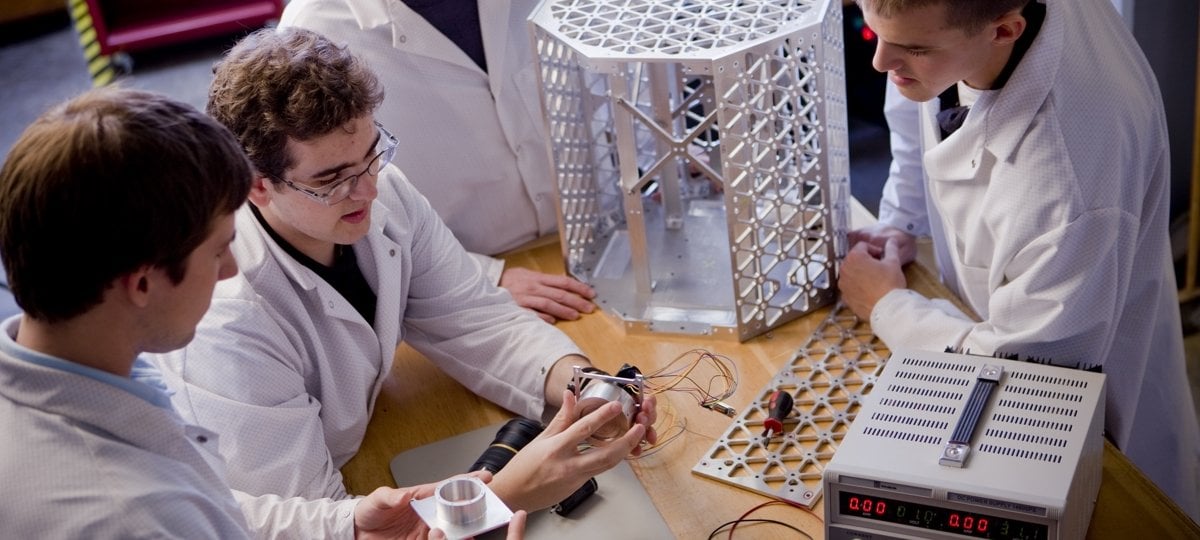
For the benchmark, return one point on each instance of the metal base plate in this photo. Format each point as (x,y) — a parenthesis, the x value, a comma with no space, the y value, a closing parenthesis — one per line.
(496,515)
(827,377)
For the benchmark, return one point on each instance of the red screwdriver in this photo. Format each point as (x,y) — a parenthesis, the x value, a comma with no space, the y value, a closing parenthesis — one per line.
(780,406)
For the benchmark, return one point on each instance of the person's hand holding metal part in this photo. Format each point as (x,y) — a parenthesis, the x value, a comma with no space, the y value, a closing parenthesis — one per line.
(552,467)
(869,272)
(386,512)
(552,297)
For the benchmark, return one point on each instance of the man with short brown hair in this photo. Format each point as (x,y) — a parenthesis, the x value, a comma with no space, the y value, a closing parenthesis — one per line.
(1029,141)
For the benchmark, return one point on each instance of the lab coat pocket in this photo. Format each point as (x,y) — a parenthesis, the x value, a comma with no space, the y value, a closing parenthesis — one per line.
(974,286)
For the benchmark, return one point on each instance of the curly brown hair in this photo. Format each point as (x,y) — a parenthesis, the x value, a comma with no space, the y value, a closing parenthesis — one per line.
(289,82)
(968,15)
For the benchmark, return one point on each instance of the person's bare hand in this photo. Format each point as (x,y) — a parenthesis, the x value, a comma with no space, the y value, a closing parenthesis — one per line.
(552,297)
(551,467)
(646,417)
(388,512)
(867,274)
(878,235)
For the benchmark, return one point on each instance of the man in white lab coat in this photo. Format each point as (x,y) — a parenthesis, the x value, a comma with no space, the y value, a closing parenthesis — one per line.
(462,99)
(94,449)
(142,188)
(342,259)
(1047,207)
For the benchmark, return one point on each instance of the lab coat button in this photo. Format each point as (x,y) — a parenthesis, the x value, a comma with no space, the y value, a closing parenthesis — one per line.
(201,439)
(402,38)
(391,253)
(972,164)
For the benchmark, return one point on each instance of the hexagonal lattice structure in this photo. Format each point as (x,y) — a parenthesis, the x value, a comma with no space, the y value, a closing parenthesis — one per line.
(827,377)
(700,150)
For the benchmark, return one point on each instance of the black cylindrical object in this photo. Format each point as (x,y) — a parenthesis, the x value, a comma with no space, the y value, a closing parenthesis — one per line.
(510,439)
(575,499)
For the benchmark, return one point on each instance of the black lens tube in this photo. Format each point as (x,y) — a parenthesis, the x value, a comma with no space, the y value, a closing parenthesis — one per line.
(510,439)
(575,499)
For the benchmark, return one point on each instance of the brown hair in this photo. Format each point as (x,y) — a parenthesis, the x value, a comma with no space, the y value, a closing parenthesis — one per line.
(106,183)
(291,82)
(968,15)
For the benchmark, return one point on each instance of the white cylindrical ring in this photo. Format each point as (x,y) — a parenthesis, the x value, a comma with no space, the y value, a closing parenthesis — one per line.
(460,501)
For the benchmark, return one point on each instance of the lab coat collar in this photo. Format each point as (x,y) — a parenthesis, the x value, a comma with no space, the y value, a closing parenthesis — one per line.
(412,34)
(124,416)
(259,246)
(370,14)
(1023,96)
(999,119)
(496,36)
(959,156)
(263,247)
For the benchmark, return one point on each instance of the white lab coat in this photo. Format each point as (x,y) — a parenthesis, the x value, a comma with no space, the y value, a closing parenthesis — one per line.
(85,459)
(1048,211)
(287,371)
(473,143)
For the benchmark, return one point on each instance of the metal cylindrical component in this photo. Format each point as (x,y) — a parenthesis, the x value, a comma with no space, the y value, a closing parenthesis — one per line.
(595,395)
(460,501)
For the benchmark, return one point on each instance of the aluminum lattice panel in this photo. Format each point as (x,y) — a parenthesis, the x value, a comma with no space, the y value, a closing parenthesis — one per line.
(701,158)
(638,26)
(827,377)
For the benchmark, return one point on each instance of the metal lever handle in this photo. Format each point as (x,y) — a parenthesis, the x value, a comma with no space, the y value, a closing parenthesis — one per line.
(954,453)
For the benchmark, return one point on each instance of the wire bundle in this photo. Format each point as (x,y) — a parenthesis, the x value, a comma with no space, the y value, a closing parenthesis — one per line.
(682,375)
(678,376)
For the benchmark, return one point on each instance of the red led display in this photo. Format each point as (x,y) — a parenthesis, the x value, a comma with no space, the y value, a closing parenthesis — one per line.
(927,516)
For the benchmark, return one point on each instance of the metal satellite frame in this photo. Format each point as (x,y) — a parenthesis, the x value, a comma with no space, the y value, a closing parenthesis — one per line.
(700,154)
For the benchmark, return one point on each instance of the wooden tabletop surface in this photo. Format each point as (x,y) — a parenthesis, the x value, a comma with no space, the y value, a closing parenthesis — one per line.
(419,405)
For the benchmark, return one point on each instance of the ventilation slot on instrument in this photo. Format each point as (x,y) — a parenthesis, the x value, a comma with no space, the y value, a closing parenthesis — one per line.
(1061,381)
(1032,422)
(1048,394)
(1026,437)
(909,421)
(1018,453)
(938,365)
(916,406)
(925,392)
(1034,407)
(935,379)
(902,435)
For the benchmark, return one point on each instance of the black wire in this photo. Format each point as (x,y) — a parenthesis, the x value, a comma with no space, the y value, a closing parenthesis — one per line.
(717,530)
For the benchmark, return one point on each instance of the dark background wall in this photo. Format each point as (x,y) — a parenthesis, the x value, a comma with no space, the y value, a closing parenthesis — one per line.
(1167,32)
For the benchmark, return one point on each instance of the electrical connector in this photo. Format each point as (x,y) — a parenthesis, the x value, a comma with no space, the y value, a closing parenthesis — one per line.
(721,407)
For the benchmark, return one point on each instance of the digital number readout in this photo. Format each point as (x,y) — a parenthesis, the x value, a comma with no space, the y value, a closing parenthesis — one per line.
(936,518)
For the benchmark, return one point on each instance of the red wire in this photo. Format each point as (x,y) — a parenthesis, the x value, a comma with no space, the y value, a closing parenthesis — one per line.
(760,506)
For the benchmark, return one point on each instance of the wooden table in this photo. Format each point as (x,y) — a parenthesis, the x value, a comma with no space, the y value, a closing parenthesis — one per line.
(414,409)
